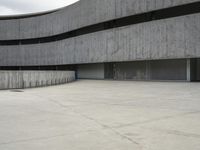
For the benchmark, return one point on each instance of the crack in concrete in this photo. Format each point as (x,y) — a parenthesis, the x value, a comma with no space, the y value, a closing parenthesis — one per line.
(32,139)
(39,138)
(113,129)
(176,132)
(97,122)
(156,119)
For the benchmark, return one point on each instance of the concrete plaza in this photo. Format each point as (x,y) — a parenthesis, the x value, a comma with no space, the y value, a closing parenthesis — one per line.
(102,115)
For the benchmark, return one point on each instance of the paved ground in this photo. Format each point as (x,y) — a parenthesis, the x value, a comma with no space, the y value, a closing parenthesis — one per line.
(102,115)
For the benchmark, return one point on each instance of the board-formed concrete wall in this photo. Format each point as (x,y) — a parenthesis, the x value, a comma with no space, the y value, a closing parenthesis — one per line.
(162,39)
(29,79)
(80,14)
(147,38)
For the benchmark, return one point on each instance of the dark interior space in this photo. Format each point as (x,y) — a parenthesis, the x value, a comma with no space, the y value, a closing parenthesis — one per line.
(195,69)
(41,68)
(137,70)
(147,70)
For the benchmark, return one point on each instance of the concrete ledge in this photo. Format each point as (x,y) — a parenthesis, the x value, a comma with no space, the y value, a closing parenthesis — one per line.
(30,79)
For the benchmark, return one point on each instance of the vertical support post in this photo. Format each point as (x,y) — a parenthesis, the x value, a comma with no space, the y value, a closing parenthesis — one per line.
(148,70)
(188,67)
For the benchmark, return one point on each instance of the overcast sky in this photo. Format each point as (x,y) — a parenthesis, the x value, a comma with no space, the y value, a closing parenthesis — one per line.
(12,7)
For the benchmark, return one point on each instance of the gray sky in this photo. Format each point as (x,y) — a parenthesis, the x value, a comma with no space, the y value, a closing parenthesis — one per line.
(12,7)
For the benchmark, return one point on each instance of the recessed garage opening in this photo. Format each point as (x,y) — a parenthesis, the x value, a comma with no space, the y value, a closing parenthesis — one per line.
(158,70)
(198,69)
(195,69)
(90,71)
(151,70)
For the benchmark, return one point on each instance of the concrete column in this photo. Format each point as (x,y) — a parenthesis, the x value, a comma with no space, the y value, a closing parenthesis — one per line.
(148,70)
(198,70)
(188,70)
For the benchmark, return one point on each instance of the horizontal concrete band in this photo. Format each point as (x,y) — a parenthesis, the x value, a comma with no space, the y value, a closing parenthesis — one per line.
(171,12)
(78,15)
(162,39)
(29,79)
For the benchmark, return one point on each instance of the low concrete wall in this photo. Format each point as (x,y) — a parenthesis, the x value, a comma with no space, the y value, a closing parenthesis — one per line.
(30,79)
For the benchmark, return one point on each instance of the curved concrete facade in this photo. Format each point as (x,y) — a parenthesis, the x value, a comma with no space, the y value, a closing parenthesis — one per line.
(80,14)
(163,39)
(170,38)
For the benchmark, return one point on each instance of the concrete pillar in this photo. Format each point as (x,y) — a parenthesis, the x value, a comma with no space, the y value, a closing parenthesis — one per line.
(148,70)
(188,70)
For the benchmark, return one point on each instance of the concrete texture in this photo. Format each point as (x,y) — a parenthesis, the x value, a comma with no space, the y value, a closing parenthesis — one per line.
(102,115)
(30,79)
(80,14)
(163,39)
(172,38)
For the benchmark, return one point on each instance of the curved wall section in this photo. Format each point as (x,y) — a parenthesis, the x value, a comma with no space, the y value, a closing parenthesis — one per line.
(163,39)
(109,37)
(30,79)
(80,14)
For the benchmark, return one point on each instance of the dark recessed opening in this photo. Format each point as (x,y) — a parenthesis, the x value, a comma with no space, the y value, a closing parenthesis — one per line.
(50,68)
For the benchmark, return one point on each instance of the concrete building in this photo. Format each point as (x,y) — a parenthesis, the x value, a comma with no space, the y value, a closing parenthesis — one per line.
(107,39)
